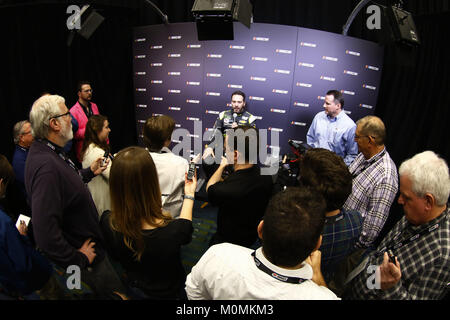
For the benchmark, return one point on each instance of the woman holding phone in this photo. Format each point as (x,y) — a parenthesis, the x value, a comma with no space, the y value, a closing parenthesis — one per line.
(96,145)
(140,235)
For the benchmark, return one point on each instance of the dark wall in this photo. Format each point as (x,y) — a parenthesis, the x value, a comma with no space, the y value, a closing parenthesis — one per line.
(35,59)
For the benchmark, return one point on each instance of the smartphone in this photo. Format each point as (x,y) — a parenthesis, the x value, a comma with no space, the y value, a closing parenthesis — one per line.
(106,155)
(391,256)
(191,171)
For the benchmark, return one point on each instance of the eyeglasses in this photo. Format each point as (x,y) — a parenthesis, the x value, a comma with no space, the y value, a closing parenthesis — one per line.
(89,90)
(358,137)
(60,115)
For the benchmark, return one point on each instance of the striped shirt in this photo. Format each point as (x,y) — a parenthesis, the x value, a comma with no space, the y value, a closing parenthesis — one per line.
(375,184)
(338,238)
(424,262)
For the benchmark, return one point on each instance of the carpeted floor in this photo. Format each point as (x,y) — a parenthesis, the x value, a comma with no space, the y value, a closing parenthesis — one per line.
(204,223)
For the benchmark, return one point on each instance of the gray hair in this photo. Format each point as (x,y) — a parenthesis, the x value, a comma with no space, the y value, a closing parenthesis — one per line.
(42,110)
(18,130)
(428,174)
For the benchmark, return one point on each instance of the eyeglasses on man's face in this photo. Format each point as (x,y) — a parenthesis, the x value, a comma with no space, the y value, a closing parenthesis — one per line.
(60,115)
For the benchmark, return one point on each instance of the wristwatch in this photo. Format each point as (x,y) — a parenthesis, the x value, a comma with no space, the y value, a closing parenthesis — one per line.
(189,197)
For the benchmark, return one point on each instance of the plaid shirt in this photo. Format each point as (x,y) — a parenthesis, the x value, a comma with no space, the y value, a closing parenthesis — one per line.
(375,184)
(424,263)
(338,238)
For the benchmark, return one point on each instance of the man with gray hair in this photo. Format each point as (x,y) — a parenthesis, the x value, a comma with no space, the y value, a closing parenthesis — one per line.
(23,140)
(375,179)
(420,241)
(65,218)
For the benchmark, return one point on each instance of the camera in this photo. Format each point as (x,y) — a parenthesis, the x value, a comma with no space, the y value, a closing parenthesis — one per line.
(289,171)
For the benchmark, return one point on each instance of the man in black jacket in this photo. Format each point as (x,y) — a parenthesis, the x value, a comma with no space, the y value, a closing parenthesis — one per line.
(65,218)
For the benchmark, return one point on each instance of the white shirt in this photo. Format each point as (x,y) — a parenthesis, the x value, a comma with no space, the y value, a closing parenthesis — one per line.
(99,185)
(171,169)
(228,272)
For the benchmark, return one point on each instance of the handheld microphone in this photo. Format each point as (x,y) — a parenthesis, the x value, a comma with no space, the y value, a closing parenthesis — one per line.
(234,117)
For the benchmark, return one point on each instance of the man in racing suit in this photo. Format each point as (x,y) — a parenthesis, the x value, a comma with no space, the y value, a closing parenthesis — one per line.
(228,119)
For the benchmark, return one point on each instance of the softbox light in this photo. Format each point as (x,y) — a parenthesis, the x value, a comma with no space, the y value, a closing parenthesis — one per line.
(214,18)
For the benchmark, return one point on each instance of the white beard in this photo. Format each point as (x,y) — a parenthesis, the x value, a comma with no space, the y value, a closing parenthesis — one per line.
(66,132)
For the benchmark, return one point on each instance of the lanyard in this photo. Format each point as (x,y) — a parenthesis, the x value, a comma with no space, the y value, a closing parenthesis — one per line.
(394,246)
(62,156)
(275,275)
(361,170)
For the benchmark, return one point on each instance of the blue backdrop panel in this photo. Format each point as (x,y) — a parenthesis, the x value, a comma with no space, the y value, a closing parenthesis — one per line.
(328,61)
(285,72)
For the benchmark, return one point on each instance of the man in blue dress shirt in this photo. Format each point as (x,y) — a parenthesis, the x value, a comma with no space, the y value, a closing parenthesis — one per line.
(333,129)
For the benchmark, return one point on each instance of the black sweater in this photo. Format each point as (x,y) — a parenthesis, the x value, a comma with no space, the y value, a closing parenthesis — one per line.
(64,215)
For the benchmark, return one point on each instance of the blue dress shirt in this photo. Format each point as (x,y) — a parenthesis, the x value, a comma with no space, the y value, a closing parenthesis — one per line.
(334,134)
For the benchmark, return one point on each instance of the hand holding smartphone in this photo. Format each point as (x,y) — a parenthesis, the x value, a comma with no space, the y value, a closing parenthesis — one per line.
(105,156)
(191,171)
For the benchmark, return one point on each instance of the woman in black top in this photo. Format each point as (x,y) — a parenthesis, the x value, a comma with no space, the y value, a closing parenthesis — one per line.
(143,238)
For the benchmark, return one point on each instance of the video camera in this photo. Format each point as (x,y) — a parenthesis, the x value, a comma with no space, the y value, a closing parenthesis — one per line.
(289,166)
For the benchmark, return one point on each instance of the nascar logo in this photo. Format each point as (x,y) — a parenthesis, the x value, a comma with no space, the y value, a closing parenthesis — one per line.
(278,110)
(306,44)
(301,104)
(351,73)
(301,124)
(353,53)
(260,39)
(237,47)
(329,58)
(258,78)
(275,129)
(372,68)
(301,84)
(283,51)
(280,91)
(304,64)
(327,78)
(282,71)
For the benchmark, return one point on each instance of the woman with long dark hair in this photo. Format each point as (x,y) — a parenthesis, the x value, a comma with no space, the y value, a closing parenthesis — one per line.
(95,145)
(141,236)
